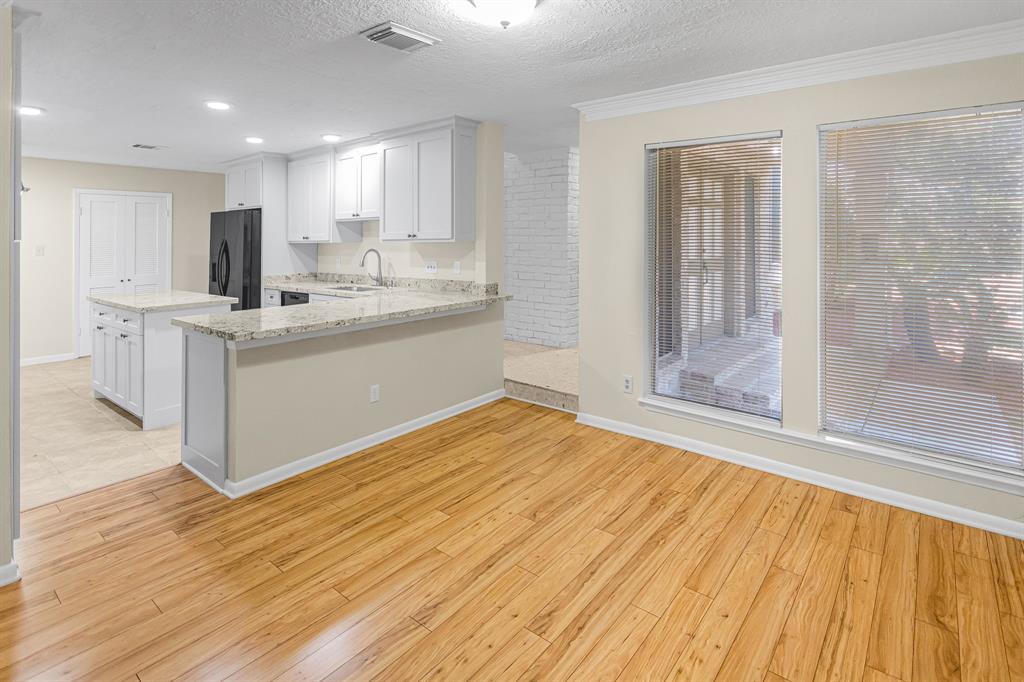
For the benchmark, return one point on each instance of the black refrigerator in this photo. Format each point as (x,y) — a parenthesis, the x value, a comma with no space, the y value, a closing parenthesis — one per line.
(235,257)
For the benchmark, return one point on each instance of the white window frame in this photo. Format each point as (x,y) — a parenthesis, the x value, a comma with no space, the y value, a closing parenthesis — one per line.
(709,414)
(980,474)
(955,468)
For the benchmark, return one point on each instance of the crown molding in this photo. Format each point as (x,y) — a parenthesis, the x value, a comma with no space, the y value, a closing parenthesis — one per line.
(961,46)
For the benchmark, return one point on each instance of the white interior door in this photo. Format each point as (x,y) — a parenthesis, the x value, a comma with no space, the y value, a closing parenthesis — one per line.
(123,247)
(145,240)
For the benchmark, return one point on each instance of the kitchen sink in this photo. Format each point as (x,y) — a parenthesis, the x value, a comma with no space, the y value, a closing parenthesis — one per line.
(354,287)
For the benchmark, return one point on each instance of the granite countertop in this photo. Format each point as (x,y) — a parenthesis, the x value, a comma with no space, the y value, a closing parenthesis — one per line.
(170,299)
(390,304)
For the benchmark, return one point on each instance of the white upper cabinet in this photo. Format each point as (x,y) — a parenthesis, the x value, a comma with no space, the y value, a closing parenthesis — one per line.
(357,184)
(428,184)
(243,185)
(311,202)
(397,180)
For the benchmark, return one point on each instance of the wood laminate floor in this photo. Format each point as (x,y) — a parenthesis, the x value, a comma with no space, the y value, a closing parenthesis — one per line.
(508,543)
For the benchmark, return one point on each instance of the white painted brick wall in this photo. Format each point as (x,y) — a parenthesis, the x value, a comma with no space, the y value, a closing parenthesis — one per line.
(542,247)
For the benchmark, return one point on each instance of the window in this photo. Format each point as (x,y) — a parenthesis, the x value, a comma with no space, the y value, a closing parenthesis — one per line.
(922,253)
(715,272)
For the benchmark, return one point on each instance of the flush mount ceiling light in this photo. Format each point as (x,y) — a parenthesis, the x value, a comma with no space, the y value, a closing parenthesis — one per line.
(30,111)
(331,138)
(504,12)
(217,106)
(254,140)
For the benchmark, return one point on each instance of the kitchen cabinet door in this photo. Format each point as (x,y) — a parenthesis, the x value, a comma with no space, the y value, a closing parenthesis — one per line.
(434,185)
(98,358)
(398,183)
(252,185)
(109,360)
(346,187)
(298,202)
(234,188)
(369,183)
(321,214)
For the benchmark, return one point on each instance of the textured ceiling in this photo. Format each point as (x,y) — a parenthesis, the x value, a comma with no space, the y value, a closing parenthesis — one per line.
(112,73)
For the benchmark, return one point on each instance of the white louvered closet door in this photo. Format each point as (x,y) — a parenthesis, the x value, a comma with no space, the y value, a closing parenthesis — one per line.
(123,249)
(145,237)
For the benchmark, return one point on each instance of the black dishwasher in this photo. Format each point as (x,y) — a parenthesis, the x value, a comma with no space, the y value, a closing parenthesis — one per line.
(293,298)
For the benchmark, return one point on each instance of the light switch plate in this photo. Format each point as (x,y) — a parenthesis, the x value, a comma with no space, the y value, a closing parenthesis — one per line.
(40,250)
(375,393)
(431,267)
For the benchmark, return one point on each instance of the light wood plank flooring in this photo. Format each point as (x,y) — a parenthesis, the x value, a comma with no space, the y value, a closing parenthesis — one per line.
(508,543)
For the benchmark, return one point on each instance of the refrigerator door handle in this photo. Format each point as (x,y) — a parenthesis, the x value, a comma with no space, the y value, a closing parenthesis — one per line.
(220,267)
(226,278)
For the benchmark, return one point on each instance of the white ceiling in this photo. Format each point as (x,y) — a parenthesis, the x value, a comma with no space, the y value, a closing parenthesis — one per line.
(111,73)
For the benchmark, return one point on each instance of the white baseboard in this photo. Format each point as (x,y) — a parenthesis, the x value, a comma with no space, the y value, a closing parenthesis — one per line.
(44,359)
(9,573)
(236,489)
(943,510)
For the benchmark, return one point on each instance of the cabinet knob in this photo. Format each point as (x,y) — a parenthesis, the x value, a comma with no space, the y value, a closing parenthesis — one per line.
(99,327)
(126,320)
(124,336)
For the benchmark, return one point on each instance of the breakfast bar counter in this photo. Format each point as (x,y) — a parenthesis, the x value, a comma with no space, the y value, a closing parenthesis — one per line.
(272,392)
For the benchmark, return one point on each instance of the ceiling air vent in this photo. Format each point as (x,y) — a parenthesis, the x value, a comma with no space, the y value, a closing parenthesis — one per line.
(148,147)
(399,37)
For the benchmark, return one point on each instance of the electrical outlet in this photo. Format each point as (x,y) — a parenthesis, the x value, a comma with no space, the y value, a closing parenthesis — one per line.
(457,267)
(627,383)
(337,263)
(375,393)
(40,250)
(431,267)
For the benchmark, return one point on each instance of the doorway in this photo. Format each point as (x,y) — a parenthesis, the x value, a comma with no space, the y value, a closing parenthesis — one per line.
(123,246)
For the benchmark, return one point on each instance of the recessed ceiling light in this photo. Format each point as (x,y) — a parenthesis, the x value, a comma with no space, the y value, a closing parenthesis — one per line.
(217,106)
(30,111)
(331,138)
(254,140)
(504,12)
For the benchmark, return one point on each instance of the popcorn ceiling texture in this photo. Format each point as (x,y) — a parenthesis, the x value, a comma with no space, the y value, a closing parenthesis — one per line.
(542,247)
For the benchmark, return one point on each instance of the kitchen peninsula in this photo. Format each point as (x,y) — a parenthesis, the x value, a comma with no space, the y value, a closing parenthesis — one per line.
(272,392)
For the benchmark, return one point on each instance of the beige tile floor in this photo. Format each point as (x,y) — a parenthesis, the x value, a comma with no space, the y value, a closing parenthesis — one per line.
(72,442)
(557,369)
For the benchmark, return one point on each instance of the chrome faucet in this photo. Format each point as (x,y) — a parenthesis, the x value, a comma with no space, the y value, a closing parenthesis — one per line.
(380,266)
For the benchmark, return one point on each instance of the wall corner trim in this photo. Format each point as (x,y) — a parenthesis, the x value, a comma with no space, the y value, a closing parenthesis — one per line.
(9,573)
(923,505)
(236,489)
(982,42)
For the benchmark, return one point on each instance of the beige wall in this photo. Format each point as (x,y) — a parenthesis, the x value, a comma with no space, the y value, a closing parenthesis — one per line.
(293,400)
(480,261)
(6,365)
(48,221)
(612,251)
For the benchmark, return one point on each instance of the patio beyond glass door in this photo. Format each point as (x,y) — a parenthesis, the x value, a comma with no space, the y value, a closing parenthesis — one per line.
(716,273)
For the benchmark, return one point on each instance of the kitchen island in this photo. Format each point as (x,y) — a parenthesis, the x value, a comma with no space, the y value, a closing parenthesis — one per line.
(136,351)
(272,392)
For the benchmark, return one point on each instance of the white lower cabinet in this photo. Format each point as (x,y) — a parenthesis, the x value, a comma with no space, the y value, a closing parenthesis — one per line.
(136,361)
(117,367)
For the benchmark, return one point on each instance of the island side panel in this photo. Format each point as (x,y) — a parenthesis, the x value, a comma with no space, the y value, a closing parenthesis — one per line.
(204,436)
(293,401)
(162,385)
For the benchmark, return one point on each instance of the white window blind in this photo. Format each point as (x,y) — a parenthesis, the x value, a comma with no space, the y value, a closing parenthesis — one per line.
(715,273)
(922,250)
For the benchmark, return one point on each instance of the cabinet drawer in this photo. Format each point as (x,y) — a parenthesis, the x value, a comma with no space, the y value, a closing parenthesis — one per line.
(118,318)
